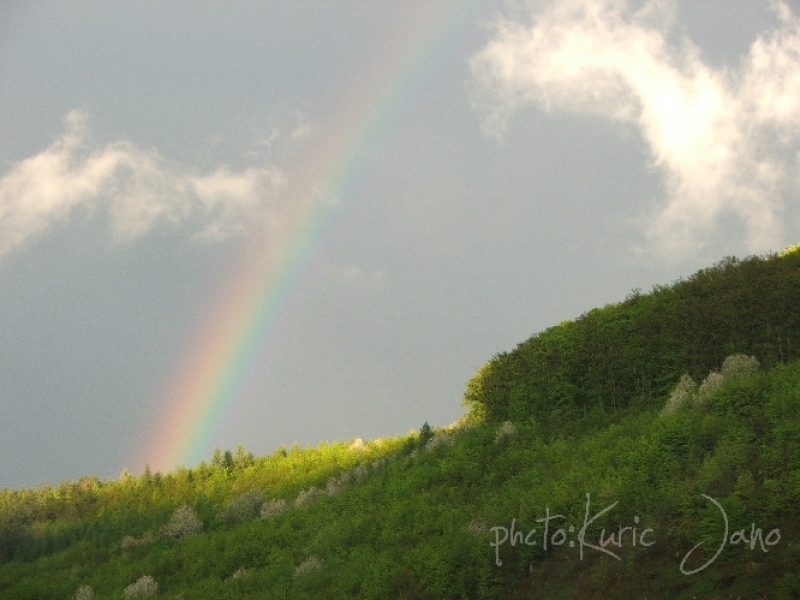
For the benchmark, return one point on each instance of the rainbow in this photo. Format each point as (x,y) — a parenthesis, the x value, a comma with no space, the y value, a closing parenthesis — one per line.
(229,350)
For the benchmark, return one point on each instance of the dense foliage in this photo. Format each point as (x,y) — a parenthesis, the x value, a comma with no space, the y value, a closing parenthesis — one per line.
(633,353)
(637,425)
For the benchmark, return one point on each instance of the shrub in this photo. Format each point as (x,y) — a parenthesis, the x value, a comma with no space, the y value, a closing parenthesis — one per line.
(681,395)
(184,522)
(145,586)
(243,507)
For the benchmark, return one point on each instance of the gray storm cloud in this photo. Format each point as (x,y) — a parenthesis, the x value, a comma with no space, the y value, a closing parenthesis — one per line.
(725,140)
(138,189)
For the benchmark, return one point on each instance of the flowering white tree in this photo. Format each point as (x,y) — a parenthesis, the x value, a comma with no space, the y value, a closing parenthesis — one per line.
(184,522)
(440,438)
(240,573)
(359,473)
(312,563)
(273,507)
(687,391)
(477,527)
(307,496)
(144,587)
(737,365)
(334,486)
(129,541)
(84,592)
(505,431)
(682,394)
(710,384)
(243,507)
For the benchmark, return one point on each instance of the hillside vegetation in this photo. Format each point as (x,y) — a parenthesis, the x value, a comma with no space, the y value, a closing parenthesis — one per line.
(633,353)
(647,449)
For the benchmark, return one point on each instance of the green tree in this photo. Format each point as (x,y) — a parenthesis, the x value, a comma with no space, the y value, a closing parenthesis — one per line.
(217,459)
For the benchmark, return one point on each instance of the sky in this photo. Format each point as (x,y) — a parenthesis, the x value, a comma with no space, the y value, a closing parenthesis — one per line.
(268,223)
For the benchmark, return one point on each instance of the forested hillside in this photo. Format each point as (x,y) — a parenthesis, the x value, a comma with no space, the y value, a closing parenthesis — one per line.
(649,449)
(631,354)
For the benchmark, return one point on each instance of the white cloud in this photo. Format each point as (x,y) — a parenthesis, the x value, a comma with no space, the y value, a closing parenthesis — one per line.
(726,140)
(138,188)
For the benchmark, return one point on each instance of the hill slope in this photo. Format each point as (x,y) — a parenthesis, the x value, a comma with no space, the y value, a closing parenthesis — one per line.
(625,435)
(633,353)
